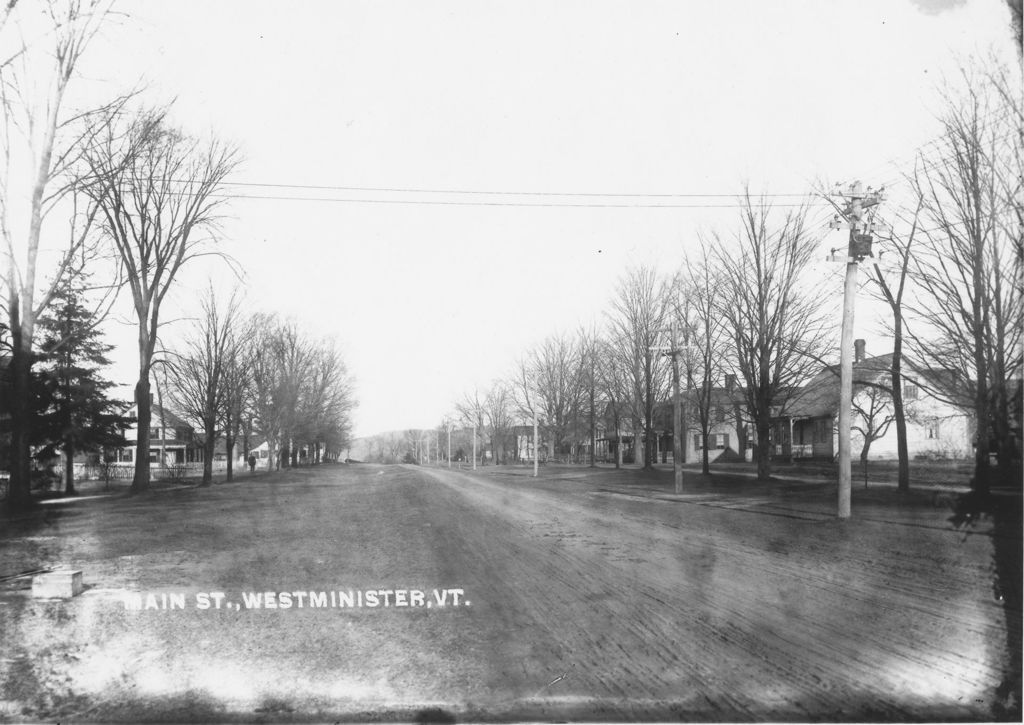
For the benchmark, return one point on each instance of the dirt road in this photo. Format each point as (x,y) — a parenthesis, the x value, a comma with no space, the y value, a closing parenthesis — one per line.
(579,600)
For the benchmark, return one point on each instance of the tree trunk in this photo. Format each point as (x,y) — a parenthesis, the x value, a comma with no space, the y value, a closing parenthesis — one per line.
(20,492)
(980,482)
(899,413)
(741,431)
(229,446)
(140,483)
(209,431)
(593,425)
(69,467)
(705,459)
(764,465)
(1006,446)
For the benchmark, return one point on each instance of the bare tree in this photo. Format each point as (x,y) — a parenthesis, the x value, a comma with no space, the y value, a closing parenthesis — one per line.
(473,412)
(301,394)
(613,390)
(326,402)
(264,374)
(888,282)
(872,416)
(158,192)
(547,384)
(777,332)
(498,406)
(198,372)
(292,357)
(589,346)
(968,318)
(706,342)
(40,139)
(238,392)
(637,321)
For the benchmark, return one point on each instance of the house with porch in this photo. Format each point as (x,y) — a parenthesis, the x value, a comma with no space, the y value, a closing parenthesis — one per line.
(808,426)
(172,441)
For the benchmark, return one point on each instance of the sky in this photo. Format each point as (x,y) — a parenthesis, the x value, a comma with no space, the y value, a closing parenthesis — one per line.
(441,185)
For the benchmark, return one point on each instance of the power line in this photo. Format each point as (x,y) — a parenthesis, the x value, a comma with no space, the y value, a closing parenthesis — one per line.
(400,190)
(549,205)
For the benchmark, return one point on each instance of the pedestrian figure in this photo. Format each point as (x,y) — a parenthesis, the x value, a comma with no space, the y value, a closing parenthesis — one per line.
(252,463)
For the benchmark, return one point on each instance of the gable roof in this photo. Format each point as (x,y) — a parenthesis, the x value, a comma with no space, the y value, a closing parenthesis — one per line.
(820,397)
(168,418)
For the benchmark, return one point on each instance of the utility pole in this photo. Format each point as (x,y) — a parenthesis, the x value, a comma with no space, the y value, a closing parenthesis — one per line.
(677,417)
(859,247)
(536,446)
(474,445)
(673,350)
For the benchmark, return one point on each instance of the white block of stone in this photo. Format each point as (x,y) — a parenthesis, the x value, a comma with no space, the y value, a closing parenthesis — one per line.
(62,584)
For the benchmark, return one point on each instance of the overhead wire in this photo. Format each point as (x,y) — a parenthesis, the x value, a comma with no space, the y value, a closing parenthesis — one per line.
(490,192)
(549,205)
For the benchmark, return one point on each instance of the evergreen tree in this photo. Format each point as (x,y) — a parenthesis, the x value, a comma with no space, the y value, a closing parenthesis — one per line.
(75,413)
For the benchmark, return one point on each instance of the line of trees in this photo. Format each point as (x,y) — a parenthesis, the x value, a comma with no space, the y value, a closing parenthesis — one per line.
(739,308)
(113,187)
(250,378)
(951,274)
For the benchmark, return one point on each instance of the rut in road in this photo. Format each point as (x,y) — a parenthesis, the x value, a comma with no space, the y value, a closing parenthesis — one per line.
(728,611)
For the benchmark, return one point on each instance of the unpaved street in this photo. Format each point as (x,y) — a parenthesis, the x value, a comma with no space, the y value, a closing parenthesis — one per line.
(582,599)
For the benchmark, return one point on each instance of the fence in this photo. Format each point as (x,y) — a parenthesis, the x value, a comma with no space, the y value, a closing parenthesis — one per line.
(119,471)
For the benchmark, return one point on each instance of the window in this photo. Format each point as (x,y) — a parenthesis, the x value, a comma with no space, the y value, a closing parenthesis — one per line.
(716,441)
(933,430)
(910,392)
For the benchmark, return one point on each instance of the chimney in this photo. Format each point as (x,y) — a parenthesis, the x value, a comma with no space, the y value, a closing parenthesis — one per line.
(858,351)
(730,382)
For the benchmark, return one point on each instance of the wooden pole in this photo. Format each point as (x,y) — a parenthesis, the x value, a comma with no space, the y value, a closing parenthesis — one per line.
(677,422)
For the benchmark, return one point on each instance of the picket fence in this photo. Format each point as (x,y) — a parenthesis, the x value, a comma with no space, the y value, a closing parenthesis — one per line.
(157,471)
